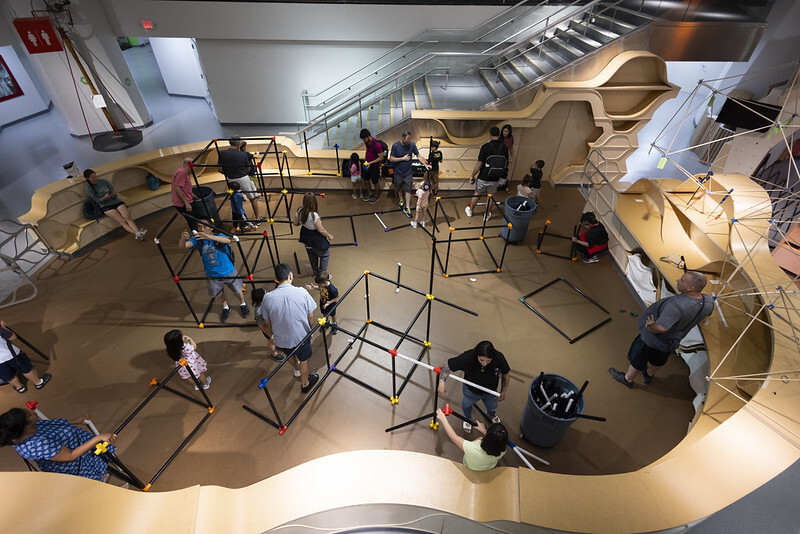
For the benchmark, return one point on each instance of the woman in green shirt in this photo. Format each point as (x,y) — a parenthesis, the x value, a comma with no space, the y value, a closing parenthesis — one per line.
(103,193)
(483,453)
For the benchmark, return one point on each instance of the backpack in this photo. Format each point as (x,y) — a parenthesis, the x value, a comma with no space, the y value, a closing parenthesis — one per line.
(346,168)
(92,210)
(226,248)
(152,182)
(495,167)
(385,164)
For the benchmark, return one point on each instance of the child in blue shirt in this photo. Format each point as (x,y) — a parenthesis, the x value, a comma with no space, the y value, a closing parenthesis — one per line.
(237,210)
(328,297)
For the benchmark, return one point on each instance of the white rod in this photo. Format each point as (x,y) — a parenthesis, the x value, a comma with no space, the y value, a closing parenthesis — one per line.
(719,310)
(90,424)
(545,462)
(454,377)
(523,458)
(380,221)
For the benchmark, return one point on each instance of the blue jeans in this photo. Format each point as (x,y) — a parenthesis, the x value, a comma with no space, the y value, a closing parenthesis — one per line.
(470,399)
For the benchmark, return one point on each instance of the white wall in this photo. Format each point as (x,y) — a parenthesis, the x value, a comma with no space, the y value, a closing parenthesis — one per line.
(287,21)
(256,82)
(179,66)
(30,103)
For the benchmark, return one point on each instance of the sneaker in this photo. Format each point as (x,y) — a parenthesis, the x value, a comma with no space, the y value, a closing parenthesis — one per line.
(413,224)
(250,226)
(312,379)
(279,358)
(591,259)
(366,198)
(373,200)
(422,224)
(402,203)
(468,211)
(487,215)
(647,379)
(44,380)
(334,329)
(244,310)
(619,376)
(208,383)
(467,428)
(496,419)
(226,314)
(23,389)
(407,212)
(297,373)
(355,197)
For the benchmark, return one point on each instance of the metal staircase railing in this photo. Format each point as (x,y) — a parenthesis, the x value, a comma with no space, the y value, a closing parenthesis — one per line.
(22,251)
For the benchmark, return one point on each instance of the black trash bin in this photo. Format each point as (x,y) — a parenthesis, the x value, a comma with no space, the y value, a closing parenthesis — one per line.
(204,207)
(519,211)
(543,429)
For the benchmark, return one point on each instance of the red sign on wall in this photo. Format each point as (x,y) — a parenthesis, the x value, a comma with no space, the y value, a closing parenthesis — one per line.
(38,35)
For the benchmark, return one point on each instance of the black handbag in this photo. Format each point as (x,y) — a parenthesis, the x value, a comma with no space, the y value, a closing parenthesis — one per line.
(314,239)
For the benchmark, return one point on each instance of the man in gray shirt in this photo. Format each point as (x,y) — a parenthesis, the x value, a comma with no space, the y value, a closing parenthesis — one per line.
(663,325)
(288,313)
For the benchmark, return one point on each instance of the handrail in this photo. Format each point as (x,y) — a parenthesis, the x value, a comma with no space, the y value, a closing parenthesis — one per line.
(370,67)
(551,25)
(372,74)
(383,83)
(327,116)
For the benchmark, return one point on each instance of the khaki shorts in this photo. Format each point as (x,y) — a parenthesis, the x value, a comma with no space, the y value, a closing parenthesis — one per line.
(483,188)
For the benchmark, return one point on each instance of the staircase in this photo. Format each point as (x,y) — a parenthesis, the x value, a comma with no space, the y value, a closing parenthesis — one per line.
(536,59)
(441,70)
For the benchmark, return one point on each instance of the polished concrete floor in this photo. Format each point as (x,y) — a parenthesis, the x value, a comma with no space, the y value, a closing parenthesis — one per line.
(102,318)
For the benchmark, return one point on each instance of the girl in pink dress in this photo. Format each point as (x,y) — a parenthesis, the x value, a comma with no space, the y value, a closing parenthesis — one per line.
(180,346)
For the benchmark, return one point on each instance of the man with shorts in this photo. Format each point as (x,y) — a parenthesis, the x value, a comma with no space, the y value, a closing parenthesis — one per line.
(236,166)
(288,313)
(373,158)
(663,325)
(401,154)
(182,195)
(15,362)
(492,159)
(216,255)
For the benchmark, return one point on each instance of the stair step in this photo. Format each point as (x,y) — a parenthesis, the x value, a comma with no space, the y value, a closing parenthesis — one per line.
(488,78)
(610,23)
(580,41)
(594,32)
(563,48)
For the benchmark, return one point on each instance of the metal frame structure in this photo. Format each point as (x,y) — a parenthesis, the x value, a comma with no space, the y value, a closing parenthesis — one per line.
(556,328)
(498,266)
(543,232)
(282,424)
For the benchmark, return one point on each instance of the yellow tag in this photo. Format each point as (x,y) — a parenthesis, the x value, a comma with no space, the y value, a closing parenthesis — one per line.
(662,162)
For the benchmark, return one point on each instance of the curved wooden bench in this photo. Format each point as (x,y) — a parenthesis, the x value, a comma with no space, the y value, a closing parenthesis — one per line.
(57,209)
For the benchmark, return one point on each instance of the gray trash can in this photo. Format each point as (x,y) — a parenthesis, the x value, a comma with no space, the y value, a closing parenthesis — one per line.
(204,207)
(519,211)
(543,429)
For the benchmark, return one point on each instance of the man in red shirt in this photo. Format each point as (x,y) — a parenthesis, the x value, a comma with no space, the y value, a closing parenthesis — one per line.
(374,156)
(182,195)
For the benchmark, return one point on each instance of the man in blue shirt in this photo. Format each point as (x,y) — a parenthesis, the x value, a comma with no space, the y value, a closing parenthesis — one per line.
(217,265)
(400,155)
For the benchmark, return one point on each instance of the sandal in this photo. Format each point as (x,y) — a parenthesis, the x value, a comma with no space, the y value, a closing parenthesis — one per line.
(23,389)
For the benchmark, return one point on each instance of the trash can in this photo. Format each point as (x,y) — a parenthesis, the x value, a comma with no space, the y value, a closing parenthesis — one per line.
(204,207)
(543,429)
(519,211)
